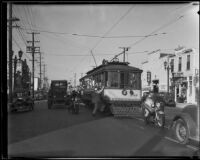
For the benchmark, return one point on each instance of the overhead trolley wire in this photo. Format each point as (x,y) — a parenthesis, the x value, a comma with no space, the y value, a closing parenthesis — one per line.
(91,36)
(26,14)
(156,30)
(112,27)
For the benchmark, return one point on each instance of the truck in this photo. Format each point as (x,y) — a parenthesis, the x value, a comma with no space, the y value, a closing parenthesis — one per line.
(57,94)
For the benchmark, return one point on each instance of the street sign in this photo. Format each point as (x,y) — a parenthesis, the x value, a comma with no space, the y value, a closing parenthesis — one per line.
(28,49)
(178,74)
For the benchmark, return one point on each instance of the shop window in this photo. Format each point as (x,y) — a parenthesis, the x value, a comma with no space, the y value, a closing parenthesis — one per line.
(188,62)
(179,64)
(190,85)
(172,65)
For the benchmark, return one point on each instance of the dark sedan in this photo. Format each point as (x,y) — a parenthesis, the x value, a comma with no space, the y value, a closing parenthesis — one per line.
(168,99)
(22,102)
(185,125)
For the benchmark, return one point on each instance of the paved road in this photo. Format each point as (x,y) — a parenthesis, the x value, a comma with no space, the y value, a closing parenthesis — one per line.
(57,133)
(107,137)
(24,125)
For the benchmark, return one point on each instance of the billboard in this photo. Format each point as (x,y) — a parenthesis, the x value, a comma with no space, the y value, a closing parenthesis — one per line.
(19,67)
(36,81)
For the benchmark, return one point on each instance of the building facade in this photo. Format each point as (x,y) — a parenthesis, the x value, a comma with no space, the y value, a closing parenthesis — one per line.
(186,74)
(178,70)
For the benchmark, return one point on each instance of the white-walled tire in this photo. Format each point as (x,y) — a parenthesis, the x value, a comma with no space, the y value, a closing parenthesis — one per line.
(181,131)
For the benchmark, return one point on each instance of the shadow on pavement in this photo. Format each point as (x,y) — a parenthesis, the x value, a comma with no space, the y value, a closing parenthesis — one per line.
(43,154)
(146,149)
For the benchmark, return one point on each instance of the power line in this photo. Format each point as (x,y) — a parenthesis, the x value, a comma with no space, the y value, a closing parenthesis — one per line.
(80,55)
(156,30)
(20,48)
(26,14)
(30,18)
(16,43)
(92,36)
(19,31)
(120,19)
(31,10)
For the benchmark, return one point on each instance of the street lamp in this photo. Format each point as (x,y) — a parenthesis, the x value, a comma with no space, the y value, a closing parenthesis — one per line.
(168,66)
(20,53)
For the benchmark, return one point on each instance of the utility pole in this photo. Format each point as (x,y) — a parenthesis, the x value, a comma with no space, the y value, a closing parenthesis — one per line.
(40,71)
(33,57)
(10,20)
(40,82)
(44,65)
(125,49)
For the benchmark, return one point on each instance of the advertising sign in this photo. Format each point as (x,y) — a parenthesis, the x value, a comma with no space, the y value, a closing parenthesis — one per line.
(19,66)
(35,84)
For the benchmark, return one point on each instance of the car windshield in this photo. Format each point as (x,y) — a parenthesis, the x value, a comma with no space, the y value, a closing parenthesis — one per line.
(19,95)
(59,84)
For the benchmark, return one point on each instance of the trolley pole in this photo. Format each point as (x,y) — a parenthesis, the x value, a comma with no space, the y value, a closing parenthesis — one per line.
(124,52)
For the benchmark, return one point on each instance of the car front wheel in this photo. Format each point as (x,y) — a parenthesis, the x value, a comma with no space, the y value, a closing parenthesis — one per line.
(181,131)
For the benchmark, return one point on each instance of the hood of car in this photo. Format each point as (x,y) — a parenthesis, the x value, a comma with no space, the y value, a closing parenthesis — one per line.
(192,110)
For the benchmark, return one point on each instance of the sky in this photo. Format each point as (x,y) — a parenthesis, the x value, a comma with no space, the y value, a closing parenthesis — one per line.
(69,33)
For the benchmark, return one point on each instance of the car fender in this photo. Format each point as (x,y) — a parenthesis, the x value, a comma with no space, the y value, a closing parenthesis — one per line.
(189,122)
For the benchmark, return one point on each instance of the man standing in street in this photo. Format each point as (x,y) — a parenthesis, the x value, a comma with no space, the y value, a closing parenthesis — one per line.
(96,99)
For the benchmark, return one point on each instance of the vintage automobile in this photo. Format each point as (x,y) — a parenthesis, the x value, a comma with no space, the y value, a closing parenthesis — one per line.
(185,124)
(58,94)
(22,102)
(168,99)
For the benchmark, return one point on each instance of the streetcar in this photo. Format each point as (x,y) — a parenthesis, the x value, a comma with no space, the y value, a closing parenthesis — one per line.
(119,85)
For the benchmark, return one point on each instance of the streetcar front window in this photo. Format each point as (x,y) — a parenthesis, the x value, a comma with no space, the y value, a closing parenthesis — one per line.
(113,79)
(124,79)
(135,80)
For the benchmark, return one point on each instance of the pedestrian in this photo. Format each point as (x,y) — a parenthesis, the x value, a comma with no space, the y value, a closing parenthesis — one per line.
(74,106)
(96,99)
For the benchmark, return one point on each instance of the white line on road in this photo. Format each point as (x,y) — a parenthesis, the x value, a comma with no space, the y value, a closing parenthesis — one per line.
(170,139)
(173,140)
(192,147)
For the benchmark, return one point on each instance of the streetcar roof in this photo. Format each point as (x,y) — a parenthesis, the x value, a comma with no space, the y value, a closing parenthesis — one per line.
(112,66)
